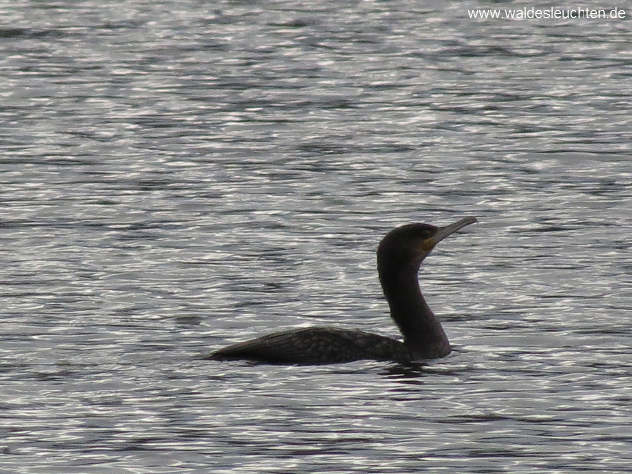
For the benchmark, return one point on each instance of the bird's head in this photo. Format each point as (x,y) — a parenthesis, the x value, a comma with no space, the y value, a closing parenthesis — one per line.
(408,245)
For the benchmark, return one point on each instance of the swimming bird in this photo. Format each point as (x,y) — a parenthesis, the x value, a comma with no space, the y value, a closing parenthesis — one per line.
(399,256)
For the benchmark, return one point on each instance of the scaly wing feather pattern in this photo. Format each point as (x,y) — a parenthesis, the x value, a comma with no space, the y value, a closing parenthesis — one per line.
(316,345)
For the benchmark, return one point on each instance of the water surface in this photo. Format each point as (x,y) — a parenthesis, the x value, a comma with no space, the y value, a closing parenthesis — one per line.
(177,176)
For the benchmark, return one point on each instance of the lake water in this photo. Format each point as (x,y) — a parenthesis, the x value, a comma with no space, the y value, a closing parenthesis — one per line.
(178,176)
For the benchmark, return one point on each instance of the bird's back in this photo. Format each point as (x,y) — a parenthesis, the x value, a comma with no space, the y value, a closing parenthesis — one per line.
(316,345)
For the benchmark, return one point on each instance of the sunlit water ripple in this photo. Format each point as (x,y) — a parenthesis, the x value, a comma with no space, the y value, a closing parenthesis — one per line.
(177,176)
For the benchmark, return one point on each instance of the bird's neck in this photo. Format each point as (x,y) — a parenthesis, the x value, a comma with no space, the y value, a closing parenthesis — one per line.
(422,331)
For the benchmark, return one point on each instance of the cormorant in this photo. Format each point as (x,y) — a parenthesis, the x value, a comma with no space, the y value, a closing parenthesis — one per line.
(399,257)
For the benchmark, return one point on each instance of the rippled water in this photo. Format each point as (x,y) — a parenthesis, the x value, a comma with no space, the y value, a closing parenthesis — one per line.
(176,176)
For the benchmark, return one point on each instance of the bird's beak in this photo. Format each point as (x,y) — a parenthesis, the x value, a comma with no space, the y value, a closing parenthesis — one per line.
(443,232)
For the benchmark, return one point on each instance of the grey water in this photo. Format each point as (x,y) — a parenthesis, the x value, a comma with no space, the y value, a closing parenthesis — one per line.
(176,176)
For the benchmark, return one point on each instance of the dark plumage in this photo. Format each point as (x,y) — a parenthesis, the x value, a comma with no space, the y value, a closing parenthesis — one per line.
(399,257)
(316,345)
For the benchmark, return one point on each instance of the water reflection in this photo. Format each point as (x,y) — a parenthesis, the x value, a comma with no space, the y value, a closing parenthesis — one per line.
(173,177)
